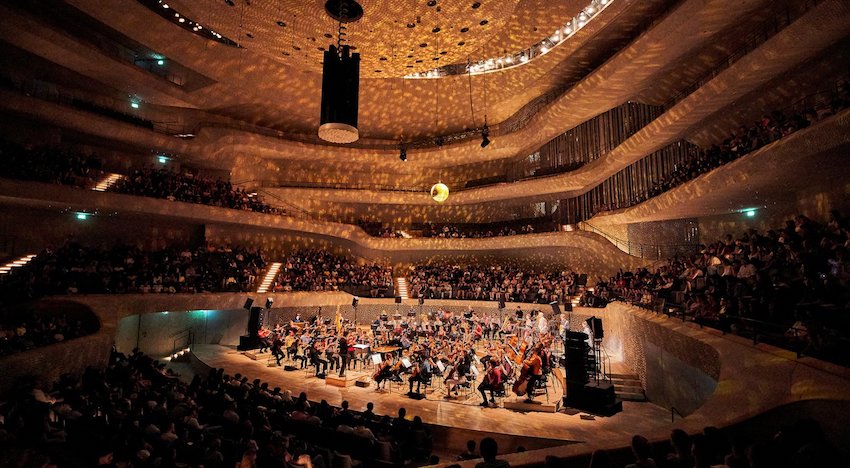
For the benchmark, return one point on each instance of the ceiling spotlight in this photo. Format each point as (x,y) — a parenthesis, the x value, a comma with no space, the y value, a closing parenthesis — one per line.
(402,154)
(485,134)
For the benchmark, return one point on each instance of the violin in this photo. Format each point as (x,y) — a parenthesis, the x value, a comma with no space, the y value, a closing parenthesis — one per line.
(520,354)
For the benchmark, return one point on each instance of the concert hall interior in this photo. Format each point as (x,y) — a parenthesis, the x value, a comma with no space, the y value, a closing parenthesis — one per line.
(404,233)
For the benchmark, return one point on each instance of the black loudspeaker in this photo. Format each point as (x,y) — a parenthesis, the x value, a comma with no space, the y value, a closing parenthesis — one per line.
(248,303)
(398,299)
(568,306)
(555,308)
(598,398)
(354,302)
(595,324)
(421,300)
(247,342)
(575,357)
(501,302)
(582,280)
(254,321)
(269,303)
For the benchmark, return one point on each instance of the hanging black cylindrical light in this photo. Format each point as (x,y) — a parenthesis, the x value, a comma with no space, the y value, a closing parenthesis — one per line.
(340,80)
(340,95)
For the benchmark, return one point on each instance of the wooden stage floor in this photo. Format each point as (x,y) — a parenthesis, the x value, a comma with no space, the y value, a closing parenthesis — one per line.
(565,426)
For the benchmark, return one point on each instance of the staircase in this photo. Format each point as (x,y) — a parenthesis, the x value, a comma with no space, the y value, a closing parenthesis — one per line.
(400,287)
(628,387)
(269,277)
(107,182)
(7,268)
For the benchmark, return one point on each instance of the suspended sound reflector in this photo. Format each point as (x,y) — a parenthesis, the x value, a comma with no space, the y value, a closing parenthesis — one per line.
(440,192)
(340,96)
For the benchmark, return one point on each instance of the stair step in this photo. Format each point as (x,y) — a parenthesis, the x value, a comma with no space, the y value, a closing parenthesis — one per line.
(16,263)
(628,388)
(269,277)
(108,181)
(401,287)
(628,396)
(624,376)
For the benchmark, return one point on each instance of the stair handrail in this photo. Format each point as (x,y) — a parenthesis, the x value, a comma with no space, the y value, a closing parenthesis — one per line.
(646,251)
(673,412)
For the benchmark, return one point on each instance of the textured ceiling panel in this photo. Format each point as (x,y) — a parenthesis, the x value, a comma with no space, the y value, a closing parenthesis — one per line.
(396,37)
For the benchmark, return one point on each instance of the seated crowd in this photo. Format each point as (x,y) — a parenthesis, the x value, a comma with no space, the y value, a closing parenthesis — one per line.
(801,444)
(798,273)
(76,269)
(491,283)
(187,187)
(54,166)
(21,334)
(469,232)
(319,270)
(137,413)
(743,140)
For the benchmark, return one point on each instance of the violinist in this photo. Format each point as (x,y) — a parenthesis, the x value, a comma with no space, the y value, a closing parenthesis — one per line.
(265,342)
(314,354)
(332,354)
(289,343)
(493,381)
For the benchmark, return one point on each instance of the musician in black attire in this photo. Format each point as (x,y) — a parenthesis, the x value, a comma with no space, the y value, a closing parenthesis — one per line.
(343,353)
(420,373)
(317,360)
(277,349)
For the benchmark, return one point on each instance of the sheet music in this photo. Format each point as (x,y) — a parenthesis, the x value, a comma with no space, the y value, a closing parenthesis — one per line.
(405,362)
(376,359)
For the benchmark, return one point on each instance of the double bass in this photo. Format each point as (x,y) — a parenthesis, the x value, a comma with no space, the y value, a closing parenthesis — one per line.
(521,384)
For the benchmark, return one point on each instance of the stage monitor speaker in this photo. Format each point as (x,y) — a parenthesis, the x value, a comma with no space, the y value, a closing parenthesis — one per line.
(568,306)
(354,302)
(555,308)
(398,299)
(501,302)
(595,324)
(247,342)
(254,321)
(421,300)
(248,303)
(269,303)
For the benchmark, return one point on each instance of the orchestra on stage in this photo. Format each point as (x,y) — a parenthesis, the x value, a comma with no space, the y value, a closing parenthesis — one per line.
(489,354)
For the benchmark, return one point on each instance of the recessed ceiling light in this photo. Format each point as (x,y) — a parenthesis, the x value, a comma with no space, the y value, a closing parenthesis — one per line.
(432,2)
(424,44)
(463,30)
(461,43)
(327,35)
(476,5)
(411,25)
(483,22)
(281,24)
(435,30)
(230,2)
